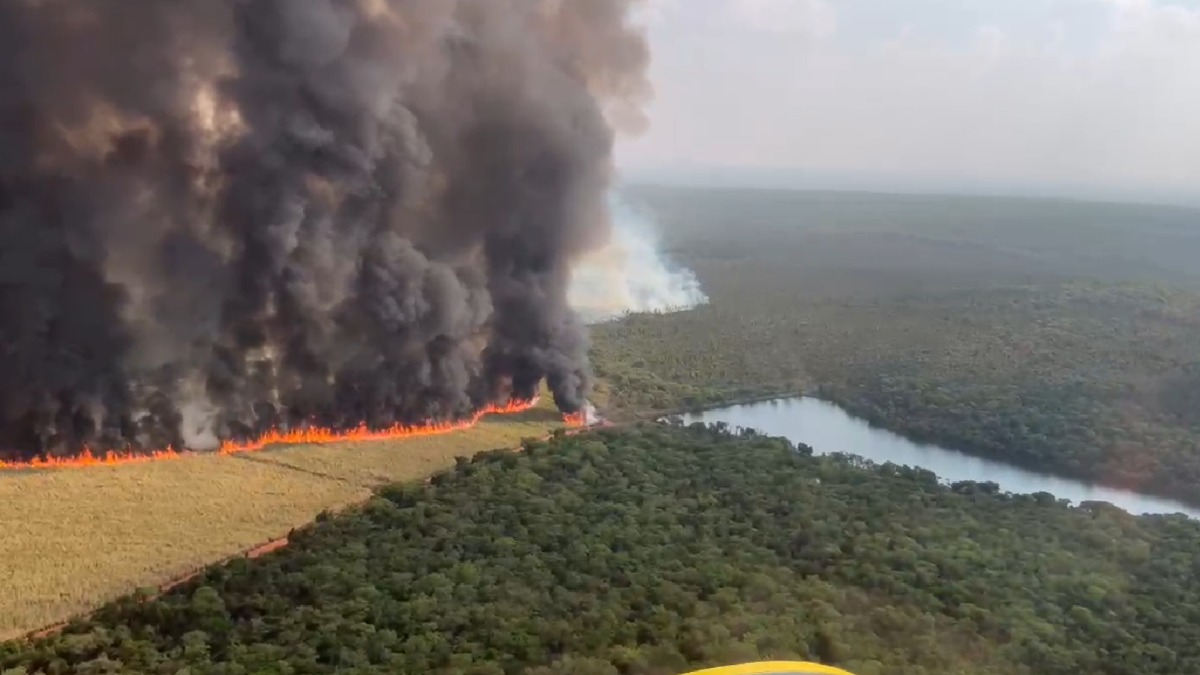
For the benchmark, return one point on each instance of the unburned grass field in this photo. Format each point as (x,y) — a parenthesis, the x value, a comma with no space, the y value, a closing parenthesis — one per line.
(73,538)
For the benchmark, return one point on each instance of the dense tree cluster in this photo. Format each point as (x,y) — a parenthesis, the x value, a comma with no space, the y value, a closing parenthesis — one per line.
(1064,337)
(654,549)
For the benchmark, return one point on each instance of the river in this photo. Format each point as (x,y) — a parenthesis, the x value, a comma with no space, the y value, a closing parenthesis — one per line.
(827,428)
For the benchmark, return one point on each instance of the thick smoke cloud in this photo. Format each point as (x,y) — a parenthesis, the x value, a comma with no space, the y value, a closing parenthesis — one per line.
(220,216)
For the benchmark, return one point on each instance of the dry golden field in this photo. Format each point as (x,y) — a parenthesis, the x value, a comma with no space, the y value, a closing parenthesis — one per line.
(73,538)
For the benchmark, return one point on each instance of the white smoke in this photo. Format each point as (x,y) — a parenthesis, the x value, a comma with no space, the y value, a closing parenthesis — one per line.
(591,416)
(629,275)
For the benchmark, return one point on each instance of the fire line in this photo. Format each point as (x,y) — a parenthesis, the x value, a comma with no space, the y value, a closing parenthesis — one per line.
(305,436)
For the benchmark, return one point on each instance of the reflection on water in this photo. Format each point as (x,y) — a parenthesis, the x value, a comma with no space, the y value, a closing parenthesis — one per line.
(827,428)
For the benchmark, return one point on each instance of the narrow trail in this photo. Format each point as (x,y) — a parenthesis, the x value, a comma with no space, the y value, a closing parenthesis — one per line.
(297,469)
(269,546)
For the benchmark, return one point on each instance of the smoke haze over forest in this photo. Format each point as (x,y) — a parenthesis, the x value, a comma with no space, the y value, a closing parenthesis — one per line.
(631,274)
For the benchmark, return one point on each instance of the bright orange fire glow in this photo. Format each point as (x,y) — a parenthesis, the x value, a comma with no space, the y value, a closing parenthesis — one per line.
(307,436)
(578,419)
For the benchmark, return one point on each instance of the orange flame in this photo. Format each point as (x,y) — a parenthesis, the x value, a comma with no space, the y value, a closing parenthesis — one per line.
(308,436)
(578,419)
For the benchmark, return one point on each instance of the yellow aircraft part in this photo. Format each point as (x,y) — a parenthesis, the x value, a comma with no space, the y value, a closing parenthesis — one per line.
(773,668)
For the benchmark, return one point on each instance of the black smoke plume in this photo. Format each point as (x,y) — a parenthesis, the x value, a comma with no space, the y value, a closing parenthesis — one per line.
(218,216)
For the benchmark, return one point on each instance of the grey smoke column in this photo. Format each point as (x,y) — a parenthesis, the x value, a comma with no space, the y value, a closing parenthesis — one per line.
(225,215)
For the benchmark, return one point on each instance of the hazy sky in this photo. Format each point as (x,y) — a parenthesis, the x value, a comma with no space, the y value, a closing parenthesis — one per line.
(1091,91)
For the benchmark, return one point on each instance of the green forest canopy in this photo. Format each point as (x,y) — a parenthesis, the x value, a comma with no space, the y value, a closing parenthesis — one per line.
(1060,336)
(658,549)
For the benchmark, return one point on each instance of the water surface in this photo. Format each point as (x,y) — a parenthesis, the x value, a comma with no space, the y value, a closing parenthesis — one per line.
(827,428)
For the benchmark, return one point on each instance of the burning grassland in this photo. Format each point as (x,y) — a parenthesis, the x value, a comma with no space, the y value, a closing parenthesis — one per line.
(304,435)
(75,538)
(346,227)
(223,218)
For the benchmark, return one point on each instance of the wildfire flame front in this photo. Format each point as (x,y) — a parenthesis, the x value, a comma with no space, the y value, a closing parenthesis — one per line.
(307,436)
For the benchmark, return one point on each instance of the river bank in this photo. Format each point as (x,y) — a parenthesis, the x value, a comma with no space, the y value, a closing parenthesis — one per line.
(828,428)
